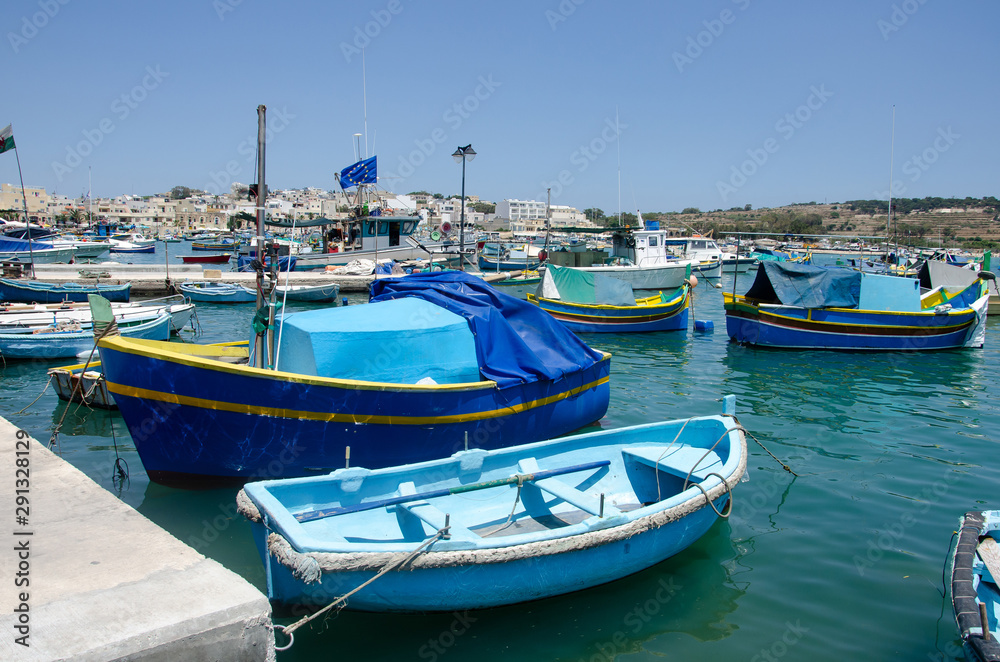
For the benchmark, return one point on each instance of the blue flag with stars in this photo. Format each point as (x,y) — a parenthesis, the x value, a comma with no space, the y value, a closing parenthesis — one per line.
(362,172)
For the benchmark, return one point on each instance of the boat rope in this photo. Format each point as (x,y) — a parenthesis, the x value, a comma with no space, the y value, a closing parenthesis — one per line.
(389,567)
(729,491)
(111,329)
(45,388)
(747,432)
(510,517)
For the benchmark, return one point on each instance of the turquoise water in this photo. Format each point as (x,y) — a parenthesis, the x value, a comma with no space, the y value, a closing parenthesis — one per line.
(842,562)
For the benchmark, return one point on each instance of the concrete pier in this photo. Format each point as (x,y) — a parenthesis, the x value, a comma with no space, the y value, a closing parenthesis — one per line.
(86,577)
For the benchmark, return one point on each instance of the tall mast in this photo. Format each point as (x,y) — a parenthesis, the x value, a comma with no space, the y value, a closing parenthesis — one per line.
(892,143)
(261,340)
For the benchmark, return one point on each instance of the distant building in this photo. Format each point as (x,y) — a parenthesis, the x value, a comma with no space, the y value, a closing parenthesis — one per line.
(38,201)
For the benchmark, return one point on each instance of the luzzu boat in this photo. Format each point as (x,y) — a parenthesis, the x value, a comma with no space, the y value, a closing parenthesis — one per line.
(592,303)
(804,307)
(437,362)
(488,528)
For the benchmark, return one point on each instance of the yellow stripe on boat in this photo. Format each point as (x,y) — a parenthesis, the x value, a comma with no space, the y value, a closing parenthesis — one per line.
(201,356)
(331,417)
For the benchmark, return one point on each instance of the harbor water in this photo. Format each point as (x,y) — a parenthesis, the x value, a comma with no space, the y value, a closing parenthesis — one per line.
(843,561)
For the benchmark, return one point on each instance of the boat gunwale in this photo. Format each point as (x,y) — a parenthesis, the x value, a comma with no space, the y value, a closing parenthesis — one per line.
(204,361)
(506,548)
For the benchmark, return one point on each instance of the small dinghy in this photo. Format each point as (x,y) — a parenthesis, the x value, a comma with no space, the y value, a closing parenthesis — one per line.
(488,528)
(975,585)
(211,292)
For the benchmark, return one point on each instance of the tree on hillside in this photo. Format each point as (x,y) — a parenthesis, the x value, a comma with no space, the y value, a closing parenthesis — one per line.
(180,193)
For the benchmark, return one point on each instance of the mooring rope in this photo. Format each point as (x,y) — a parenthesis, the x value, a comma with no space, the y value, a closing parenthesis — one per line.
(783,465)
(729,491)
(389,567)
(110,330)
(36,399)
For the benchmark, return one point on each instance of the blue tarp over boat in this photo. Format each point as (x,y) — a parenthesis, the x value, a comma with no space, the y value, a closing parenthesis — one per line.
(9,244)
(516,342)
(806,286)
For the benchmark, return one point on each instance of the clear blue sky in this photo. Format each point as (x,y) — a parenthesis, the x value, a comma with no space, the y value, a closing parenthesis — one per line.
(720,103)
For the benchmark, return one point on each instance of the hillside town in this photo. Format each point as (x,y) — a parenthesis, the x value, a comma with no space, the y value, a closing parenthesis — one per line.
(183,209)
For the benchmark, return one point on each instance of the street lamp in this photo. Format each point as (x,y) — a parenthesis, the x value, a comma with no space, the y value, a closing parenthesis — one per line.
(463,154)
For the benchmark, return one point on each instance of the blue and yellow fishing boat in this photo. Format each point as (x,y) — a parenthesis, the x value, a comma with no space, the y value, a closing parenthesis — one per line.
(805,307)
(436,363)
(591,303)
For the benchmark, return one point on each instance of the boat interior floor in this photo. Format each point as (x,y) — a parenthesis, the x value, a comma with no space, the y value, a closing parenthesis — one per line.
(528,524)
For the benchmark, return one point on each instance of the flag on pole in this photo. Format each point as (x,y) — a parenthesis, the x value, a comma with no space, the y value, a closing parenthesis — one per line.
(362,172)
(6,139)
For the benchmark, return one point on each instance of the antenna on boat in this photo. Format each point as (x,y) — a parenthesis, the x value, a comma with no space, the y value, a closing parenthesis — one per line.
(618,144)
(892,143)
(364,93)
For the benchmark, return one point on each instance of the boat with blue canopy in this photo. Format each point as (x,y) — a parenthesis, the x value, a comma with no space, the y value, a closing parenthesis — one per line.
(485,528)
(33,291)
(800,306)
(435,361)
(591,303)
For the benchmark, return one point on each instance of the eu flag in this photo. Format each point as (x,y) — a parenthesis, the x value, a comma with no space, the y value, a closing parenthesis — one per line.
(362,172)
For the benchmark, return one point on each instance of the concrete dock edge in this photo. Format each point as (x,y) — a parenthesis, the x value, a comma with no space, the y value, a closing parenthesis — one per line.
(87,577)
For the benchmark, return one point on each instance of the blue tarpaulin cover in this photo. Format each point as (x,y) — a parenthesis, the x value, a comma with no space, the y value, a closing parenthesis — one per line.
(806,286)
(516,342)
(8,244)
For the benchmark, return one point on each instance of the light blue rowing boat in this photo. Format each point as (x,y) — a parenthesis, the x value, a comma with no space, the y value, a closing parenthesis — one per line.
(487,528)
(212,292)
(975,576)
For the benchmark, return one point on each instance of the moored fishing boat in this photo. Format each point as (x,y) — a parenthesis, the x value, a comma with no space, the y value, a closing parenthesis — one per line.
(225,245)
(213,292)
(433,361)
(13,317)
(130,247)
(975,585)
(804,307)
(206,259)
(489,528)
(68,339)
(321,293)
(592,303)
(84,383)
(33,291)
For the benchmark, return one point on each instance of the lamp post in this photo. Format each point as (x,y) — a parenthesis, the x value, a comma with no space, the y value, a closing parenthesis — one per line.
(463,154)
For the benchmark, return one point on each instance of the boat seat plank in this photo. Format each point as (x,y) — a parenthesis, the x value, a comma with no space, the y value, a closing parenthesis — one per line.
(432,515)
(567,493)
(989,552)
(678,460)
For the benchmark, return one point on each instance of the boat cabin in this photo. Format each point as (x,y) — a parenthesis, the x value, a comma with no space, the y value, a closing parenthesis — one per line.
(641,247)
(695,248)
(370,233)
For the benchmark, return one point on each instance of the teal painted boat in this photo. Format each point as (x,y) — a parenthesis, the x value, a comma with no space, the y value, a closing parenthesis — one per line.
(32,291)
(591,303)
(213,292)
(489,528)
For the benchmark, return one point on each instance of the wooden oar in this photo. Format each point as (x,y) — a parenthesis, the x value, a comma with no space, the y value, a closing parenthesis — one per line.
(311,515)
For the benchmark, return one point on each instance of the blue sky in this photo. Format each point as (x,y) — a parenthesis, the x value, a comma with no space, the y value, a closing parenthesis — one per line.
(719,104)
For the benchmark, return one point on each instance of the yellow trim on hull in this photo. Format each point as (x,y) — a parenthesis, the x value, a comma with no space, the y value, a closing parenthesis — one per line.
(330,417)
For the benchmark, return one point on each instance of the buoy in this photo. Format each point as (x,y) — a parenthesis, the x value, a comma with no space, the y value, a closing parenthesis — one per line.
(704,325)
(692,281)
